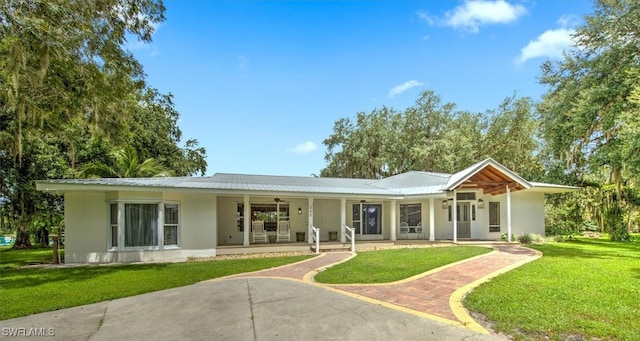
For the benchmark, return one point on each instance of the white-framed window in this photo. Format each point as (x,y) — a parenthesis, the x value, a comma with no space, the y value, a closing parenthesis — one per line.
(113,226)
(411,214)
(171,224)
(494,216)
(143,225)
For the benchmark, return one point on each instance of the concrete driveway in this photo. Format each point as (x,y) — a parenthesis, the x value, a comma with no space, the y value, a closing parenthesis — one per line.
(237,309)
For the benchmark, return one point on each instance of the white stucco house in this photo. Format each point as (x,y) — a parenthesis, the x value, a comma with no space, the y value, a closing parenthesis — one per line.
(147,219)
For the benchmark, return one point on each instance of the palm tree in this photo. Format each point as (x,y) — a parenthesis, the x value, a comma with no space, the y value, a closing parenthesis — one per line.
(126,165)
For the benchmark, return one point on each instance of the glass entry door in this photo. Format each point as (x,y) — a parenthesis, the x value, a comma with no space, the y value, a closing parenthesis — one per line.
(367,218)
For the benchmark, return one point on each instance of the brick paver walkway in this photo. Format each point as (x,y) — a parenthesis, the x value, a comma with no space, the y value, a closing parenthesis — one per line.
(300,269)
(429,294)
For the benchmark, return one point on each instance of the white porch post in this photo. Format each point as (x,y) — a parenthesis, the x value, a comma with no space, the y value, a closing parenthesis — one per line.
(432,220)
(508,214)
(310,219)
(247,220)
(393,220)
(343,219)
(454,215)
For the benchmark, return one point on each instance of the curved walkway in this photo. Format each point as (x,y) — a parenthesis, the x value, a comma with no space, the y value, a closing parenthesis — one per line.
(436,294)
(285,303)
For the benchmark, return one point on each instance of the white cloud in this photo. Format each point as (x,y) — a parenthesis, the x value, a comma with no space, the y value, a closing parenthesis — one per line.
(305,147)
(398,89)
(550,44)
(473,14)
(426,17)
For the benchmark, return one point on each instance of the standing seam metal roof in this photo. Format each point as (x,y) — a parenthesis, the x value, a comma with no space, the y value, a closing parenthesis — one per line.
(412,183)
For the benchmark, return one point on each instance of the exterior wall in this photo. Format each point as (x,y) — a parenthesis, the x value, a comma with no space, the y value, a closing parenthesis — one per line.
(87,222)
(85,233)
(326,217)
(443,228)
(198,222)
(527,215)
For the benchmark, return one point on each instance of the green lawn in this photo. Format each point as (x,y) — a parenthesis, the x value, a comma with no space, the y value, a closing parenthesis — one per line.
(588,288)
(27,291)
(395,264)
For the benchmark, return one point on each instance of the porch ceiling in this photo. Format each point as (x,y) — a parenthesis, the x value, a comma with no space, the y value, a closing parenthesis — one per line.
(491,181)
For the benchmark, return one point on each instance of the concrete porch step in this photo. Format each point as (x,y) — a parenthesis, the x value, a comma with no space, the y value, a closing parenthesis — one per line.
(332,247)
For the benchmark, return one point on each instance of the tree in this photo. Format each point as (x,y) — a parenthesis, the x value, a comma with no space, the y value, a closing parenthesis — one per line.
(126,165)
(70,93)
(512,137)
(433,136)
(589,117)
(162,141)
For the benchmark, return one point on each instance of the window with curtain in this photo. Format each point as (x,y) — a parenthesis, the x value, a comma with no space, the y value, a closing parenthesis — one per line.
(494,216)
(171,224)
(140,225)
(411,214)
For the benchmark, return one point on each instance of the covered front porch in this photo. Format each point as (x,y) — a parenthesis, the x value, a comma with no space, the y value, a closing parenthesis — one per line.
(372,219)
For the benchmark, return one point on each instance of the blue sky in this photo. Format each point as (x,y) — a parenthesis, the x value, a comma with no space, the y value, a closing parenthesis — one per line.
(261,83)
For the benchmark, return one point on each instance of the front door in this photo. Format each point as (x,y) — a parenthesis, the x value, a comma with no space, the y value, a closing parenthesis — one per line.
(464,220)
(367,218)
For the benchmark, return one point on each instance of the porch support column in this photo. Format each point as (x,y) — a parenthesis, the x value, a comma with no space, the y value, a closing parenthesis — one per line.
(393,220)
(432,220)
(454,215)
(508,214)
(310,220)
(343,219)
(247,220)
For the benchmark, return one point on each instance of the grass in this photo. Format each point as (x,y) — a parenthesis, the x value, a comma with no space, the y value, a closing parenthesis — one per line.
(583,289)
(395,264)
(27,291)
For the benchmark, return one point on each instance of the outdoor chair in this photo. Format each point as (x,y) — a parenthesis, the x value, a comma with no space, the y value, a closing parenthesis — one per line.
(259,234)
(283,234)
(419,230)
(404,228)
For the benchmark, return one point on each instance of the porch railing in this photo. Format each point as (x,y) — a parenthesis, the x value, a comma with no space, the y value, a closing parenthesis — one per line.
(316,237)
(350,234)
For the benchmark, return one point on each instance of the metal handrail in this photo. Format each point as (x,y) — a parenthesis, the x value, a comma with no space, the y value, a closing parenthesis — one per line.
(316,237)
(350,234)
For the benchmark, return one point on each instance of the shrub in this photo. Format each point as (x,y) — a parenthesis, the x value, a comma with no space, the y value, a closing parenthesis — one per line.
(503,237)
(525,238)
(558,238)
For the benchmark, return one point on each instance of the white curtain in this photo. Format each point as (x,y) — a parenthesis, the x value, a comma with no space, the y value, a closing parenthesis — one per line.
(141,225)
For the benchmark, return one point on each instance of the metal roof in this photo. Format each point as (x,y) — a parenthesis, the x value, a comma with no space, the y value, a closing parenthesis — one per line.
(407,184)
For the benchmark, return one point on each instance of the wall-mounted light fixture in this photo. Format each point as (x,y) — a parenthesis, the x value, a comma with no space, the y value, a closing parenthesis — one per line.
(444,204)
(299,210)
(480,203)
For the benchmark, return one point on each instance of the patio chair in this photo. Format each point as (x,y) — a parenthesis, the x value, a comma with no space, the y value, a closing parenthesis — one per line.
(259,234)
(420,230)
(404,228)
(283,234)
